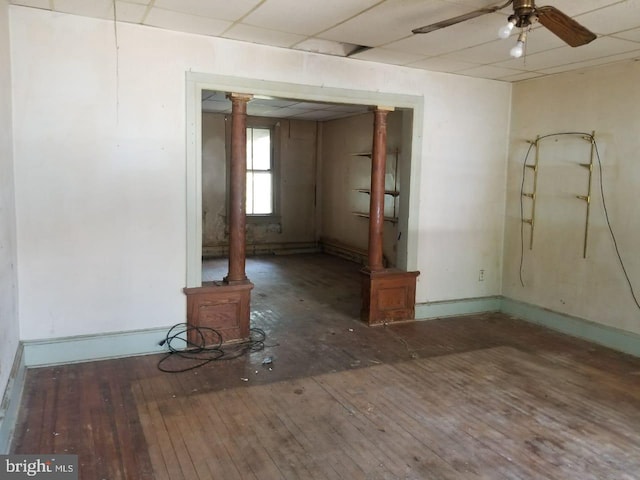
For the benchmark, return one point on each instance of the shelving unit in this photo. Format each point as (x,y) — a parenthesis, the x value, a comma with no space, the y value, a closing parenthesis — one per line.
(394,192)
(366,215)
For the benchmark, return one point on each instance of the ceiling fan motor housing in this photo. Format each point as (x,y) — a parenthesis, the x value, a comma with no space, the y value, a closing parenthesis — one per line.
(524,13)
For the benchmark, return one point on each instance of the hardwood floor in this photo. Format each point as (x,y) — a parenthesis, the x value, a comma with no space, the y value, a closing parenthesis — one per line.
(476,397)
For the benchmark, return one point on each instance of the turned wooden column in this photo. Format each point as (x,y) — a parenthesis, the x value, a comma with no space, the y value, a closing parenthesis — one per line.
(388,294)
(376,205)
(237,189)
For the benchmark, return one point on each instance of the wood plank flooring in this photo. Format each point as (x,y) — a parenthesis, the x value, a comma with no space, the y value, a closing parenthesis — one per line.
(476,397)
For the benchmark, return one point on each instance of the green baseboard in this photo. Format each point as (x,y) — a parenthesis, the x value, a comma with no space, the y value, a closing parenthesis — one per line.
(11,401)
(611,337)
(617,339)
(454,308)
(93,347)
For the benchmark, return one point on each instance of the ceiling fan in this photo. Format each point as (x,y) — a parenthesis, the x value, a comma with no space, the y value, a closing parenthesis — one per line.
(525,14)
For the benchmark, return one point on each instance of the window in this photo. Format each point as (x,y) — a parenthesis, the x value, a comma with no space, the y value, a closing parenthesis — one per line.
(259,172)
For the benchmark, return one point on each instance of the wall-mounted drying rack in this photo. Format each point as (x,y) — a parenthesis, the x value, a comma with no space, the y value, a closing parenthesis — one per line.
(532,195)
(587,197)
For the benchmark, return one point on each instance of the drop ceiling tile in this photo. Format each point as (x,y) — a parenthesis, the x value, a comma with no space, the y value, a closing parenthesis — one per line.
(310,105)
(383,55)
(130,12)
(215,95)
(287,112)
(94,8)
(475,4)
(258,110)
(442,64)
(305,17)
(539,39)
(44,4)
(391,21)
(348,108)
(221,9)
(158,17)
(456,37)
(249,33)
(602,47)
(274,102)
(490,52)
(489,71)
(521,76)
(328,47)
(616,18)
(296,109)
(593,63)
(577,7)
(215,106)
(633,35)
(317,115)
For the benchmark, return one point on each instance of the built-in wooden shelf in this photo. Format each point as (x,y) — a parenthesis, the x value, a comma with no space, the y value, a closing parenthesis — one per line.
(393,193)
(368,154)
(366,215)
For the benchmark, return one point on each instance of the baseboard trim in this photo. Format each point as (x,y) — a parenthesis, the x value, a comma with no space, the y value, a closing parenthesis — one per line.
(37,353)
(285,248)
(454,308)
(347,252)
(102,346)
(11,401)
(621,340)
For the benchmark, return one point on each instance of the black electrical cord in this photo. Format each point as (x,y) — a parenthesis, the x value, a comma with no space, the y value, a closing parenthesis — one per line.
(613,236)
(604,206)
(200,352)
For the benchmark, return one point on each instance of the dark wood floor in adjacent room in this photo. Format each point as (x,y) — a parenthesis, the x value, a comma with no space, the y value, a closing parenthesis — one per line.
(484,396)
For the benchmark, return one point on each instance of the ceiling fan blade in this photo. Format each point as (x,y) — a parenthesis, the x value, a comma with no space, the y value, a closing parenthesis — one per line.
(459,18)
(564,27)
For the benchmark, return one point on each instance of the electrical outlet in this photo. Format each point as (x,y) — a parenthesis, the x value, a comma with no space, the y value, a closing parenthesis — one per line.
(481,275)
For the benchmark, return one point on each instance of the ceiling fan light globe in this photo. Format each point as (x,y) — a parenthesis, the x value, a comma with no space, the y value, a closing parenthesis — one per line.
(518,50)
(505,31)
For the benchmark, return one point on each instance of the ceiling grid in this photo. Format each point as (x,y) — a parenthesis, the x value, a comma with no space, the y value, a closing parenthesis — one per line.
(380,30)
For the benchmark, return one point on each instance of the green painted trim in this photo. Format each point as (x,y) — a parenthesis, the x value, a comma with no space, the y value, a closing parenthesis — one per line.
(34,353)
(38,353)
(611,337)
(452,308)
(11,401)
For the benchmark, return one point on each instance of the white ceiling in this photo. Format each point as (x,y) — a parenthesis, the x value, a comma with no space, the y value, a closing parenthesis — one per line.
(337,27)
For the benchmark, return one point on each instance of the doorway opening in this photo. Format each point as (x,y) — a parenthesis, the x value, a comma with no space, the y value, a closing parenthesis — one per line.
(308,177)
(317,99)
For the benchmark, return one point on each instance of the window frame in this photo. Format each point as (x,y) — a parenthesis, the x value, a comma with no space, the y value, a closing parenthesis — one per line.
(273,125)
(270,171)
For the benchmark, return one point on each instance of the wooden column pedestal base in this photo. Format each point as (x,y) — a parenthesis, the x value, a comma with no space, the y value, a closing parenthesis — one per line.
(388,295)
(222,307)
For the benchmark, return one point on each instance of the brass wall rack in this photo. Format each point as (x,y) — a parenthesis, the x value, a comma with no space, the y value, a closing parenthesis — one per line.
(587,197)
(532,195)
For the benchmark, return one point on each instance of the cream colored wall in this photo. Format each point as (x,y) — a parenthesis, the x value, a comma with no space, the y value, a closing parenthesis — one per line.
(100,142)
(296,164)
(214,181)
(343,172)
(9,329)
(555,274)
